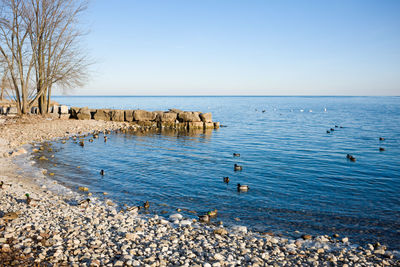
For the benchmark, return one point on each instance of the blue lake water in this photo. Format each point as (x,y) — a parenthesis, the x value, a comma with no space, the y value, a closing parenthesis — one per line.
(299,177)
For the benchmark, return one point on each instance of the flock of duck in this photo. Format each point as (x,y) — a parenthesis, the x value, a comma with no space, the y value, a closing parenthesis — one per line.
(202,218)
(349,156)
(236,167)
(95,136)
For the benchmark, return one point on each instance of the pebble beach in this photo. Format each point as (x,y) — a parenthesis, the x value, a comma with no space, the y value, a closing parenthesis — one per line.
(56,230)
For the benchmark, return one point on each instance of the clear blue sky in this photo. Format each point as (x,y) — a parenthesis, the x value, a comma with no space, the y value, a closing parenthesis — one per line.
(243,47)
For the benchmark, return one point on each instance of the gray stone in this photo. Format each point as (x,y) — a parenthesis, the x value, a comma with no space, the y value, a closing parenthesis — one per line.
(12,110)
(185,222)
(117,115)
(206,117)
(84,114)
(119,263)
(175,216)
(240,229)
(143,115)
(189,117)
(74,112)
(128,115)
(63,109)
(167,117)
(102,114)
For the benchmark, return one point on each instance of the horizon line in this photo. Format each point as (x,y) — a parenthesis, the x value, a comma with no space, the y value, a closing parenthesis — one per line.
(226,95)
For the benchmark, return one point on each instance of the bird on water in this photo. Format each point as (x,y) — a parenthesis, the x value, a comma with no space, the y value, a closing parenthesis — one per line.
(242,187)
(237,167)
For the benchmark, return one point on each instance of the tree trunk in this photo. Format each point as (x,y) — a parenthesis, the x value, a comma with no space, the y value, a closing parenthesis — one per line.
(42,103)
(48,98)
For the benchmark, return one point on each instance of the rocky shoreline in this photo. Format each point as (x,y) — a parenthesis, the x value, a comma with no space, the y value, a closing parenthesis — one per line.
(56,230)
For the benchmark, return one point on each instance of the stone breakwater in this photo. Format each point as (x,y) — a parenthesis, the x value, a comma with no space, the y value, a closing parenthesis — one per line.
(172,119)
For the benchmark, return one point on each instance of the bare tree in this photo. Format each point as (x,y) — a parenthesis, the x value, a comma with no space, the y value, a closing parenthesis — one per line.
(14,48)
(43,37)
(55,39)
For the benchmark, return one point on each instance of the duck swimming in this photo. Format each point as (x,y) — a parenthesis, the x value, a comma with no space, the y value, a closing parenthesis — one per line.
(237,167)
(212,213)
(242,187)
(226,179)
(351,157)
(381,149)
(146,205)
(82,143)
(102,172)
(381,139)
(236,154)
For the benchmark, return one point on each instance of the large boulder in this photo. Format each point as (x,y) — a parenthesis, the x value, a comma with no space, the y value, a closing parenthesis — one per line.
(128,115)
(63,109)
(102,114)
(84,114)
(206,117)
(74,112)
(189,116)
(167,116)
(143,115)
(117,115)
(12,110)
